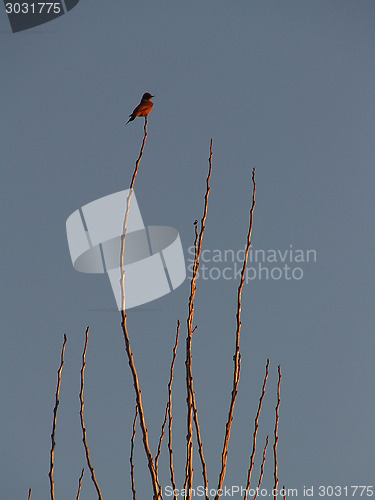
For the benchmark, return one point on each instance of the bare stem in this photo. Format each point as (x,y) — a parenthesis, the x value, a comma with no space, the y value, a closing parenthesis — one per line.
(200,445)
(84,435)
(190,399)
(168,412)
(80,484)
(256,426)
(284,495)
(57,401)
(261,469)
(170,417)
(276,437)
(132,452)
(140,154)
(161,437)
(237,355)
(125,225)
(29,494)
(142,419)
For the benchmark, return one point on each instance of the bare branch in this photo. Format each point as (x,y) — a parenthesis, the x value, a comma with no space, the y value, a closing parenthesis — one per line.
(256,426)
(168,413)
(170,417)
(125,225)
(190,399)
(140,154)
(132,452)
(237,355)
(29,494)
(57,401)
(161,437)
(142,419)
(276,437)
(261,468)
(284,495)
(200,444)
(80,483)
(84,436)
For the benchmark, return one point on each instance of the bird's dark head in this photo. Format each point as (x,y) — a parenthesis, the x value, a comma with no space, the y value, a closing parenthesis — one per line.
(147,96)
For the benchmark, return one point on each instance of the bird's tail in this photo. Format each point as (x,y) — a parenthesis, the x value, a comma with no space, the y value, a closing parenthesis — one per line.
(130,119)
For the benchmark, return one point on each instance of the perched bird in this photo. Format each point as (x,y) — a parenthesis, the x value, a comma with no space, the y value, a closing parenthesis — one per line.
(144,107)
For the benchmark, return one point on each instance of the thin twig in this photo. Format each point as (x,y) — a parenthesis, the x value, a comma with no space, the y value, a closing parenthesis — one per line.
(132,452)
(57,401)
(261,469)
(284,495)
(80,483)
(29,494)
(142,419)
(170,417)
(125,225)
(84,436)
(200,444)
(237,355)
(190,399)
(161,437)
(256,426)
(276,483)
(168,407)
(140,154)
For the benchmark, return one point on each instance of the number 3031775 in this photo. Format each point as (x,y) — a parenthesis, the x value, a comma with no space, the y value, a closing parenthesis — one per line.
(346,491)
(33,8)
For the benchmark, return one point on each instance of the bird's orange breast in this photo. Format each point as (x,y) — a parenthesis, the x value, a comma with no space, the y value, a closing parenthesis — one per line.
(144,109)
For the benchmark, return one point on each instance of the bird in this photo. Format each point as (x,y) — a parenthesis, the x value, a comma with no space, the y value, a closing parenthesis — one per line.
(144,107)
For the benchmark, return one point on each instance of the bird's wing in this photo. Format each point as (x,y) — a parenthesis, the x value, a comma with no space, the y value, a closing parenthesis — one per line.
(143,106)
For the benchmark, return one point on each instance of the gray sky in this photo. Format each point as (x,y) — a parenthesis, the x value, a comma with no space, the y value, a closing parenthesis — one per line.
(285,87)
